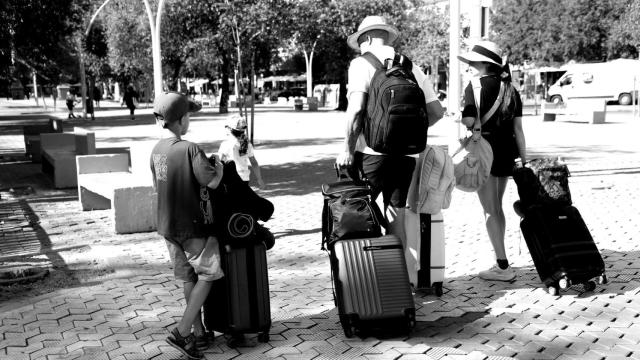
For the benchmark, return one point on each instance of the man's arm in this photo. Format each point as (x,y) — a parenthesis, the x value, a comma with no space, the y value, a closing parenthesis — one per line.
(353,117)
(435,112)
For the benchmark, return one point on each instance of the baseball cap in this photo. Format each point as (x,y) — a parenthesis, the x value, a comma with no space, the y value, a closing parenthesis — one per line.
(172,106)
(236,122)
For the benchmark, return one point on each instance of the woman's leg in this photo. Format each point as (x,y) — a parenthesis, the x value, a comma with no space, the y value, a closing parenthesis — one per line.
(491,195)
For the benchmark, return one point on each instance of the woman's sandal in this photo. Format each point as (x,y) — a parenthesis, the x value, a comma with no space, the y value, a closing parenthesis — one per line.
(185,344)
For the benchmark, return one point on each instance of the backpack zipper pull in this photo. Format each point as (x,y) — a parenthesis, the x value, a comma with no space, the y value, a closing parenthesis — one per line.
(393,94)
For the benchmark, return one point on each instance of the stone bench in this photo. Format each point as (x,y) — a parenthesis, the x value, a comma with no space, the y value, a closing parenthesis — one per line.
(32,144)
(59,150)
(594,109)
(106,182)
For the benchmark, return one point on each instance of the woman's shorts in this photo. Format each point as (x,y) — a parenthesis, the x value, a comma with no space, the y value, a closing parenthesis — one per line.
(196,259)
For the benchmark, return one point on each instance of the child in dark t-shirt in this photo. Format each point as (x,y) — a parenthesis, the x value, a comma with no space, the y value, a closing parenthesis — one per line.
(181,174)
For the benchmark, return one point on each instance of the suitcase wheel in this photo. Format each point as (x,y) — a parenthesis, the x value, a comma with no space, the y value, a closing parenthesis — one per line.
(589,286)
(437,288)
(602,279)
(410,315)
(553,290)
(348,325)
(564,283)
(263,337)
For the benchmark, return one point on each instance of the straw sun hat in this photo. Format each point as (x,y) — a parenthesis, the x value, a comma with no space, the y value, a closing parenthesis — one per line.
(372,23)
(484,51)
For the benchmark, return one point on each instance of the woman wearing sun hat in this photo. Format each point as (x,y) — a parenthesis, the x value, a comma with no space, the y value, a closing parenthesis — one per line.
(503,130)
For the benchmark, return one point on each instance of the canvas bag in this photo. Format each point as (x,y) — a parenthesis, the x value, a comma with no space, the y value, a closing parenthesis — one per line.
(433,181)
(395,122)
(472,166)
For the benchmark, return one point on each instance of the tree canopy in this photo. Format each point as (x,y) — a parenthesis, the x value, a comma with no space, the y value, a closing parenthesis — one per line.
(555,32)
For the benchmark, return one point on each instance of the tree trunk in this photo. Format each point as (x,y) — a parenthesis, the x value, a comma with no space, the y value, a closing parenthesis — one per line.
(224,87)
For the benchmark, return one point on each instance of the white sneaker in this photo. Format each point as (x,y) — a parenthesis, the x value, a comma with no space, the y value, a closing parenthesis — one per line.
(495,273)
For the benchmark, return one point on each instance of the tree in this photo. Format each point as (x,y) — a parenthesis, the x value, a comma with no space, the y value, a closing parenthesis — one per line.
(311,18)
(624,35)
(427,37)
(37,36)
(554,32)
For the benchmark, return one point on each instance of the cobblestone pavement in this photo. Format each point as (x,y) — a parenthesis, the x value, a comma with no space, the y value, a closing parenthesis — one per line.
(123,298)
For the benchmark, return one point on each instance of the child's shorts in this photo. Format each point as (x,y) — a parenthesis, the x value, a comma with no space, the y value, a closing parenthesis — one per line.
(196,259)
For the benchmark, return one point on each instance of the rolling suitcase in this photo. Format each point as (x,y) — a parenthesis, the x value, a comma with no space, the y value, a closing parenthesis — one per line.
(239,303)
(424,251)
(562,248)
(371,283)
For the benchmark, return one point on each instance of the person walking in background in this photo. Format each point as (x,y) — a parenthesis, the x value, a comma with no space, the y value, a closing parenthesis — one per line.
(503,130)
(181,174)
(71,102)
(130,98)
(387,174)
(237,147)
(97,95)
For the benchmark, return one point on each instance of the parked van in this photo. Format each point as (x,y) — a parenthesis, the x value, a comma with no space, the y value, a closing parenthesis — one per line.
(612,80)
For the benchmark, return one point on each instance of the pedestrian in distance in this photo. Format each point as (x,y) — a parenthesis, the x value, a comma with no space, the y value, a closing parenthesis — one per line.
(503,131)
(130,98)
(97,95)
(387,174)
(181,174)
(237,147)
(71,102)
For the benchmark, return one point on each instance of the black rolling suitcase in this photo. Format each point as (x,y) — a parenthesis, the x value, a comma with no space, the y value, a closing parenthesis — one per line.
(372,284)
(562,248)
(239,303)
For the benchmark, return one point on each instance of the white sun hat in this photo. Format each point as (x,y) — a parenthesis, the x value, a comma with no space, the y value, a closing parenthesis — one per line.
(483,51)
(372,23)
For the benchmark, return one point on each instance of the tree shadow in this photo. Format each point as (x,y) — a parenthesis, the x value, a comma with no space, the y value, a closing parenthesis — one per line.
(296,179)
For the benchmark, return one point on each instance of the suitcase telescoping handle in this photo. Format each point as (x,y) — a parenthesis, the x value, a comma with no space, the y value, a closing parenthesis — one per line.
(353,172)
(340,173)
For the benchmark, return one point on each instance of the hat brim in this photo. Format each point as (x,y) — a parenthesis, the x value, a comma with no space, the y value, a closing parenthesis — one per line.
(352,40)
(475,57)
(194,106)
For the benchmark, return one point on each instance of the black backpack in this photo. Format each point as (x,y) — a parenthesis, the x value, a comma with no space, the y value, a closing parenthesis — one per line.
(396,119)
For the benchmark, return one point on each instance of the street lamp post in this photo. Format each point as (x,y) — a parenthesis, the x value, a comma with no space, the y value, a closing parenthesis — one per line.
(454,50)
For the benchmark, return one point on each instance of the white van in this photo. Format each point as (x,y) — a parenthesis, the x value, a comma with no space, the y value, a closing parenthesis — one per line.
(612,80)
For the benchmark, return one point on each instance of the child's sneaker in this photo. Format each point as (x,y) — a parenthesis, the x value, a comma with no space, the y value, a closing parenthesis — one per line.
(495,273)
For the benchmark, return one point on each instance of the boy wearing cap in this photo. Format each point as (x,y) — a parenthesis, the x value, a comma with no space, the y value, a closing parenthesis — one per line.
(181,174)
(389,175)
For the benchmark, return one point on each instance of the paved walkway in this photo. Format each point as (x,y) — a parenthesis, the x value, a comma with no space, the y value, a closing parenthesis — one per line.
(117,296)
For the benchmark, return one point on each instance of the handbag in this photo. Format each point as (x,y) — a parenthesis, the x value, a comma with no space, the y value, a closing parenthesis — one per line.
(473,166)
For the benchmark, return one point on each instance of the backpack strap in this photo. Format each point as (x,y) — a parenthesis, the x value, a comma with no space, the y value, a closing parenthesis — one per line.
(373,60)
(475,82)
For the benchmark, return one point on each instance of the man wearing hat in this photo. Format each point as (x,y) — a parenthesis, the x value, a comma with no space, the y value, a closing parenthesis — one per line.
(181,174)
(387,174)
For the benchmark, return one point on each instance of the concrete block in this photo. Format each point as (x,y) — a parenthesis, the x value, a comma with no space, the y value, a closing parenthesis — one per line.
(598,117)
(104,163)
(135,209)
(549,117)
